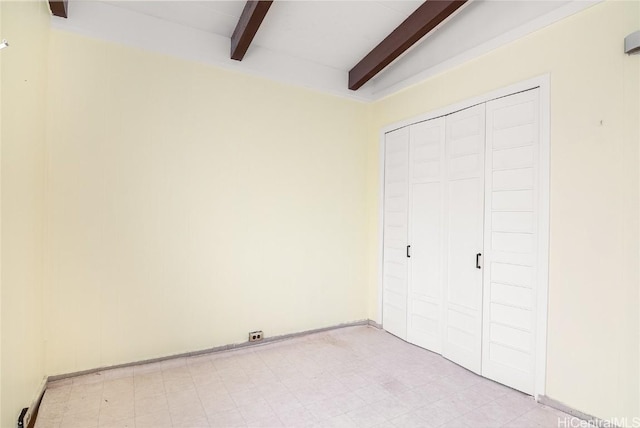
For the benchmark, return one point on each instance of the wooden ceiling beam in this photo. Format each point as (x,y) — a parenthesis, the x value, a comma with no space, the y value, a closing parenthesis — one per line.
(423,20)
(247,27)
(58,8)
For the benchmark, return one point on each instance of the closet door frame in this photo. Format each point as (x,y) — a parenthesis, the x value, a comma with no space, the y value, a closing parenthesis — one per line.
(543,83)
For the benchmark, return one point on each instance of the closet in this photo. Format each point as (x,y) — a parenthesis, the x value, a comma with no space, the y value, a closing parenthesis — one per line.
(460,236)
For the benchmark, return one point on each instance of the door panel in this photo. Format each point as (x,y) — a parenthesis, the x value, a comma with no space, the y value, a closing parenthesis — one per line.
(464,195)
(456,186)
(511,246)
(396,200)
(426,172)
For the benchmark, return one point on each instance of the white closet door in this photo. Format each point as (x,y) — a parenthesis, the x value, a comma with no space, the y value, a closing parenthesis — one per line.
(396,200)
(426,176)
(511,242)
(464,236)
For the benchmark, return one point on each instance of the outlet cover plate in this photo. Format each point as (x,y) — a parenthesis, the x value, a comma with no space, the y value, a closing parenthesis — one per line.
(255,336)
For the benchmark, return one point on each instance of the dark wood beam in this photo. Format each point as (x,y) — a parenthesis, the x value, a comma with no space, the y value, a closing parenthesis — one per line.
(424,19)
(247,27)
(58,8)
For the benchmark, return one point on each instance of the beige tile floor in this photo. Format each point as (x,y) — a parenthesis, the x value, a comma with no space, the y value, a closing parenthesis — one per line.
(349,377)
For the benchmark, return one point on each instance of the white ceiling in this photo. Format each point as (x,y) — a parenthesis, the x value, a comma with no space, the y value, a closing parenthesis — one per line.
(219,17)
(314,43)
(335,34)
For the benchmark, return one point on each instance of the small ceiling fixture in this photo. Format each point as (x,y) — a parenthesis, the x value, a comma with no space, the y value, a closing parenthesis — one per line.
(632,43)
(4,44)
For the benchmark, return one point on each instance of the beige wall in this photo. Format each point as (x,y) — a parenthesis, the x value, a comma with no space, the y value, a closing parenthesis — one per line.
(190,205)
(1,420)
(23,83)
(186,205)
(638,137)
(592,361)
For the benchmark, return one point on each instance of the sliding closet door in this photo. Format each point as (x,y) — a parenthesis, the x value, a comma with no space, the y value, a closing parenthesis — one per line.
(426,177)
(511,243)
(396,201)
(465,134)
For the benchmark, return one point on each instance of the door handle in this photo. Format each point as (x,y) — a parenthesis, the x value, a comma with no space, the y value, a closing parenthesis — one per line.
(408,251)
(478,261)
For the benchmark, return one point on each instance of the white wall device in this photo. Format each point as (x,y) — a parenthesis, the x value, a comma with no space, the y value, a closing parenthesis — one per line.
(632,43)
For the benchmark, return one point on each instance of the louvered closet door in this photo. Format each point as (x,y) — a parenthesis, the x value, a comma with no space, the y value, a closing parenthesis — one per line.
(426,176)
(396,200)
(465,134)
(511,243)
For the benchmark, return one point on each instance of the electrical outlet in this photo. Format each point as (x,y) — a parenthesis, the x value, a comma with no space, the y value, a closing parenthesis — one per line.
(255,336)
(23,420)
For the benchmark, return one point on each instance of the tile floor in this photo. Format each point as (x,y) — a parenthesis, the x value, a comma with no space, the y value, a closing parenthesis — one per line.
(349,377)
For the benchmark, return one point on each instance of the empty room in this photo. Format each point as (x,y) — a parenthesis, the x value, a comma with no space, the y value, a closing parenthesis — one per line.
(319,213)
